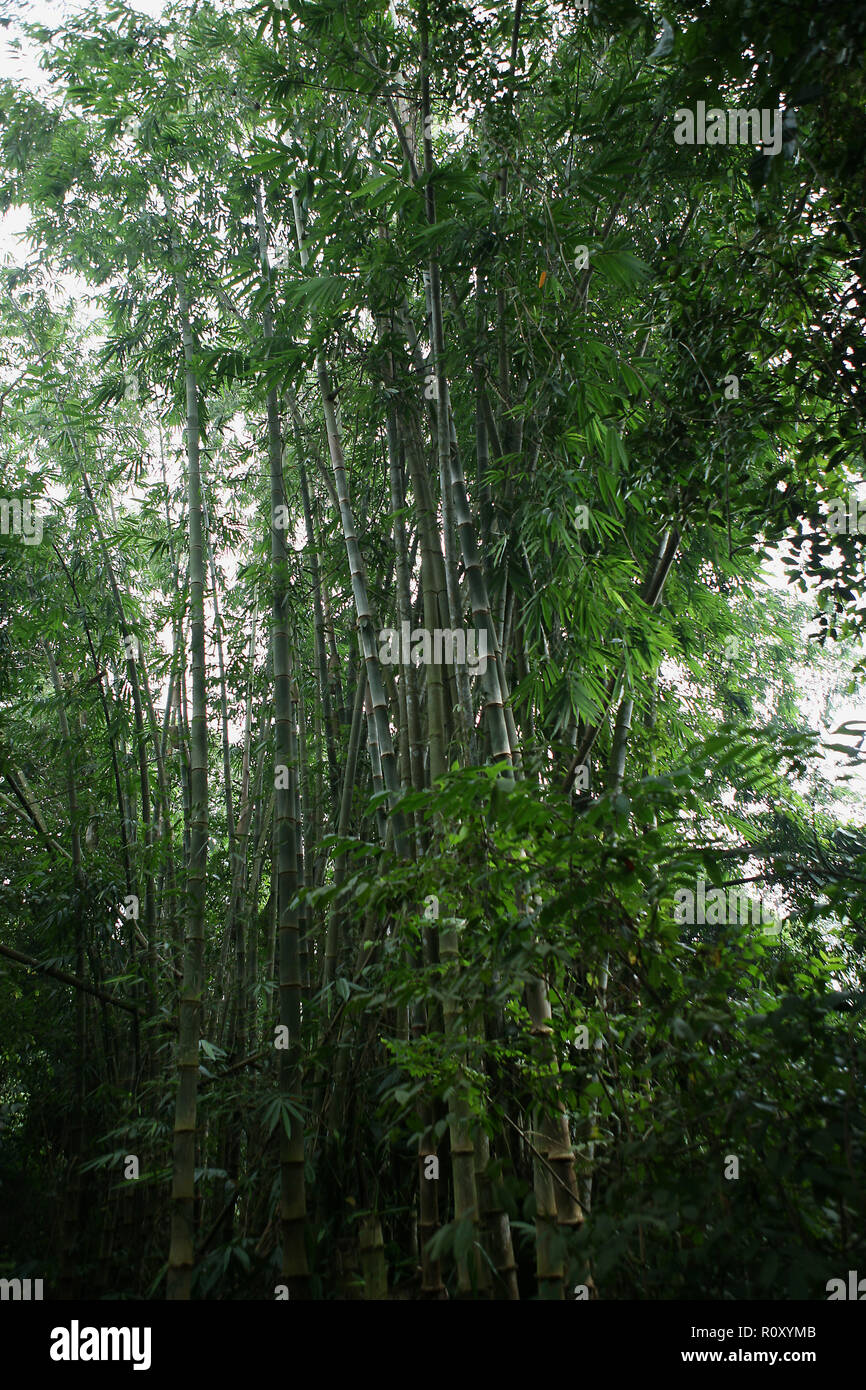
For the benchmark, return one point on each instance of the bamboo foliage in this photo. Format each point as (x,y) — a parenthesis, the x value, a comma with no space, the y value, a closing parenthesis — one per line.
(418,323)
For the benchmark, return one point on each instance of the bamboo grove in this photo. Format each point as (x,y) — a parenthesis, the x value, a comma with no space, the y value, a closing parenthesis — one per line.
(404,423)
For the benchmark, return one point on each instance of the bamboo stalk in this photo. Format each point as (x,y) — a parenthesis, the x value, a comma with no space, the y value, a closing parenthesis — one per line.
(182,1247)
